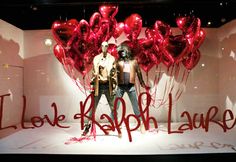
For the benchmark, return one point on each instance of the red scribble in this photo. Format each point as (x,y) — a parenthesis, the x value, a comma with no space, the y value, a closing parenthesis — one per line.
(195,121)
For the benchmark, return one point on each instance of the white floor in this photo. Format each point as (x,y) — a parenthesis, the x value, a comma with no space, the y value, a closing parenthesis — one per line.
(52,140)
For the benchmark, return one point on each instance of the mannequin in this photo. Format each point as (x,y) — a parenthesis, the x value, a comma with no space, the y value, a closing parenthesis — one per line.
(103,80)
(127,68)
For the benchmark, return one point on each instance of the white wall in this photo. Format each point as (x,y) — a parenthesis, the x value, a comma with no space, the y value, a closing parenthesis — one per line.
(11,76)
(227,65)
(45,80)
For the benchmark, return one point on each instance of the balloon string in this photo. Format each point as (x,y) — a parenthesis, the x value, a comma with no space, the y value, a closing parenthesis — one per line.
(185,82)
(147,82)
(69,70)
(187,78)
(93,131)
(180,83)
(175,76)
(177,71)
(163,95)
(169,83)
(155,87)
(183,76)
(85,92)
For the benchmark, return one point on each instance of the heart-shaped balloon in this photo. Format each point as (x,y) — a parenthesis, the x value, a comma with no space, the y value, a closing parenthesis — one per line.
(193,29)
(134,47)
(95,22)
(108,10)
(192,60)
(162,31)
(83,30)
(118,29)
(150,33)
(81,65)
(112,49)
(145,43)
(63,30)
(59,52)
(147,57)
(175,48)
(133,26)
(166,61)
(197,40)
(107,29)
(146,60)
(157,53)
(184,22)
(162,28)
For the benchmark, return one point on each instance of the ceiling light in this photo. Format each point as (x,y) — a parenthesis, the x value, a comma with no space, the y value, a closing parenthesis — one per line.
(34,8)
(223,20)
(208,23)
(203,65)
(48,42)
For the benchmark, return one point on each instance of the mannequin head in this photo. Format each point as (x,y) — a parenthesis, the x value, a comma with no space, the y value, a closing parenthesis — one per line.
(104,47)
(123,51)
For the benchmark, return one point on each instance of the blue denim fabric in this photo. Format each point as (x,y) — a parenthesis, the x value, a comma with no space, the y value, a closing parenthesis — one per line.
(104,89)
(130,90)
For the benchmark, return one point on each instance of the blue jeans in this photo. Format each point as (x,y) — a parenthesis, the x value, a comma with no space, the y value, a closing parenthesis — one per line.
(104,89)
(130,90)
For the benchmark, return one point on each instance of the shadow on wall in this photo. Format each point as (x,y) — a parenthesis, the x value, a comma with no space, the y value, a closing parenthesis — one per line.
(11,81)
(11,74)
(227,71)
(9,50)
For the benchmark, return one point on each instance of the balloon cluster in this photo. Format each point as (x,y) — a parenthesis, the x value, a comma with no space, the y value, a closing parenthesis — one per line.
(79,42)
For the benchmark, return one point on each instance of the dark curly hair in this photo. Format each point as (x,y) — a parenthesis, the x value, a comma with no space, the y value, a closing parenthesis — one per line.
(124,47)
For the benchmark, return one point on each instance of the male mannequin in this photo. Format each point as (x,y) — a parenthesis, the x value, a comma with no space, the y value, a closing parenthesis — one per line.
(127,68)
(103,80)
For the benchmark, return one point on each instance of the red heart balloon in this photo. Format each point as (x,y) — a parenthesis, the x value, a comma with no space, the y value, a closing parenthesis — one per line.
(83,30)
(112,49)
(108,11)
(59,52)
(118,30)
(107,29)
(146,61)
(162,28)
(184,22)
(81,65)
(150,33)
(63,30)
(95,22)
(133,26)
(134,47)
(199,39)
(157,52)
(192,60)
(146,58)
(145,43)
(175,47)
(193,29)
(166,61)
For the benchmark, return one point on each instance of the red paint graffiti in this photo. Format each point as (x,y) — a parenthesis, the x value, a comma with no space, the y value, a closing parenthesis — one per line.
(192,121)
